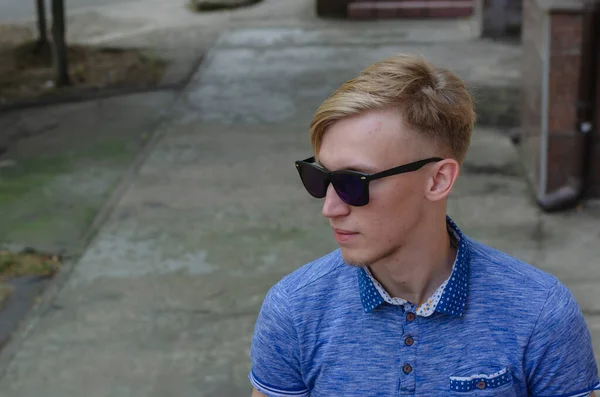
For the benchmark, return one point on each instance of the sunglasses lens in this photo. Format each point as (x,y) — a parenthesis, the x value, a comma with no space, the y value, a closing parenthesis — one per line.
(351,189)
(314,180)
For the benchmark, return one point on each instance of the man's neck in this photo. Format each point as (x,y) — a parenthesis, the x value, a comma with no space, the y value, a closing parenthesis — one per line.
(417,269)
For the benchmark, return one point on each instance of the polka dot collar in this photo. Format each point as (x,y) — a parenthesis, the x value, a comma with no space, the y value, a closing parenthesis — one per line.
(450,298)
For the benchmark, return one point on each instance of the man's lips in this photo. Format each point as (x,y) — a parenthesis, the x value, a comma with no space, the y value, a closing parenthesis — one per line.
(342,231)
(343,236)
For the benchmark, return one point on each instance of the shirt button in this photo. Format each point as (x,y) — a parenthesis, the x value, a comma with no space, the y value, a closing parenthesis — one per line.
(407,369)
(410,317)
(409,341)
(481,385)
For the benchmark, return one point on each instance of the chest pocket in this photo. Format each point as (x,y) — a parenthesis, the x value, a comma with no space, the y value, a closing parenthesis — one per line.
(494,384)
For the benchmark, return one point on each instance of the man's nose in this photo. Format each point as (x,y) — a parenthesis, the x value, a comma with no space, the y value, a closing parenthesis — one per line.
(333,206)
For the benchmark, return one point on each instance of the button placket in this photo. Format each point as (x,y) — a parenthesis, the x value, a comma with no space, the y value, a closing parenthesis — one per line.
(409,341)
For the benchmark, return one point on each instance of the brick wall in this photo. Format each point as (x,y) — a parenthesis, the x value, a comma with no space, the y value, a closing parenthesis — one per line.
(404,9)
(552,42)
(394,9)
(565,142)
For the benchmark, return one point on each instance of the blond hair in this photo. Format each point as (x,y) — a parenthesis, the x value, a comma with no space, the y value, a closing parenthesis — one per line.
(433,101)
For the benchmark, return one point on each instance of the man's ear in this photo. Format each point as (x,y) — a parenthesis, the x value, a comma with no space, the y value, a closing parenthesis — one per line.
(441,178)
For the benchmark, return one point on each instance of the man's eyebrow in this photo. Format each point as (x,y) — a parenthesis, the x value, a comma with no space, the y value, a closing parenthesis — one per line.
(352,167)
(362,168)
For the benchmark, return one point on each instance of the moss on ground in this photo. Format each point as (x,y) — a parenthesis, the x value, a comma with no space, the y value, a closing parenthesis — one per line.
(26,263)
(48,201)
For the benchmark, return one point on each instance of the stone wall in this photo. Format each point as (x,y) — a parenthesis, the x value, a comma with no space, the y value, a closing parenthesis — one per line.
(564,139)
(534,53)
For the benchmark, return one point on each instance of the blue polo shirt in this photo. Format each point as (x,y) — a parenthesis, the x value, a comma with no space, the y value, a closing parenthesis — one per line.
(496,327)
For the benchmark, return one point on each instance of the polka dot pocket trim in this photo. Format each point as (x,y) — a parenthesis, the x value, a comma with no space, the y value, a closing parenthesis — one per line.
(480,381)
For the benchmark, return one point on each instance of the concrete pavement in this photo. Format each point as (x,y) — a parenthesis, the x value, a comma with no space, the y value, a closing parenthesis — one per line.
(163,301)
(66,160)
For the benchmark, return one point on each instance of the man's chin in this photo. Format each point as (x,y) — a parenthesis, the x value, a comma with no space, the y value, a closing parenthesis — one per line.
(352,258)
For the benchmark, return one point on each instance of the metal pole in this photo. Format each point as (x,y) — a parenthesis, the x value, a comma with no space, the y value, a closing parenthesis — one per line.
(59,47)
(41,13)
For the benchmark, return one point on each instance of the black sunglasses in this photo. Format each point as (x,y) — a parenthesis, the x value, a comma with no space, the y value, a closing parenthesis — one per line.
(351,186)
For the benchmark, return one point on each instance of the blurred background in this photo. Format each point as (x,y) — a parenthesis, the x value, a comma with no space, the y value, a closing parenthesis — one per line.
(148,197)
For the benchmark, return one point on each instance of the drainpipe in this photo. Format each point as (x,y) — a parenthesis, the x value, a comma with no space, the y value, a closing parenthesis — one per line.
(587,89)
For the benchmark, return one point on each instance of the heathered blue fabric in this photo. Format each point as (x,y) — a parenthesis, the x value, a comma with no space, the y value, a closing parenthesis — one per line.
(521,333)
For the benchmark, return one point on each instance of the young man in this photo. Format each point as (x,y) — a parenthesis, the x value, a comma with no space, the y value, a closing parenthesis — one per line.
(409,305)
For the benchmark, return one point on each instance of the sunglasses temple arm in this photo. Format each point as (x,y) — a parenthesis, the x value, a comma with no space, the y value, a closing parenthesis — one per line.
(403,168)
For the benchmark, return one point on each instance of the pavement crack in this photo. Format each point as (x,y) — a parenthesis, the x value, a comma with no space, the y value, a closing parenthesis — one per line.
(207,312)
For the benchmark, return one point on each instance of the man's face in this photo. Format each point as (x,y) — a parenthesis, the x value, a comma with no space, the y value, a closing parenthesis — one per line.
(372,142)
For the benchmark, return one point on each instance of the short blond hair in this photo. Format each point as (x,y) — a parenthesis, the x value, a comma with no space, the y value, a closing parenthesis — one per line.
(433,101)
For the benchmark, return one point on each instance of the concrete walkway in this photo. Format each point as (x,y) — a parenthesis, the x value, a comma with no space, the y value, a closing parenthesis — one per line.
(164,300)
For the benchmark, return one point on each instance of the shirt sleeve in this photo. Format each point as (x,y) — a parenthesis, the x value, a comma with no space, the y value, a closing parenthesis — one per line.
(275,351)
(559,359)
